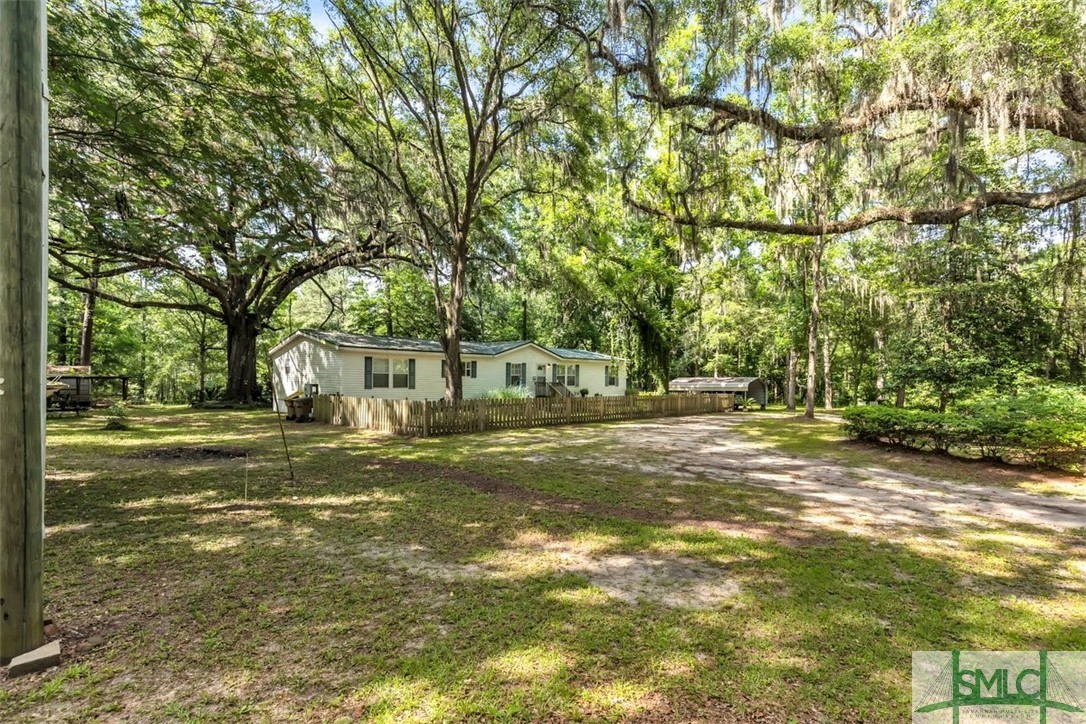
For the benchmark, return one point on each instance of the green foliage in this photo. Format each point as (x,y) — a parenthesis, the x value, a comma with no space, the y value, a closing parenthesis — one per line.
(1045,426)
(116,417)
(225,160)
(507,393)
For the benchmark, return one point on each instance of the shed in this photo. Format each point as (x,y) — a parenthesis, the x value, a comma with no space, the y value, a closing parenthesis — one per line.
(742,387)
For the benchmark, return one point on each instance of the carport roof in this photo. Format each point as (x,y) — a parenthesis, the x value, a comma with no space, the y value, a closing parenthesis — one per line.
(403,344)
(717,384)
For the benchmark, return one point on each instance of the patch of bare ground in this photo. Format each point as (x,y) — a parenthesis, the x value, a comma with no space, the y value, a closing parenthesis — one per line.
(507,490)
(873,500)
(673,581)
(188,454)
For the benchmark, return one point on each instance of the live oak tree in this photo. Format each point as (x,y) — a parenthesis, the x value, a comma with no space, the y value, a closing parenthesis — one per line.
(442,100)
(687,196)
(186,145)
(910,112)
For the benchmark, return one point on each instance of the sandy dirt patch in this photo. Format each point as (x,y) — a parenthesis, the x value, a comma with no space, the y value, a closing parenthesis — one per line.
(834,495)
(673,581)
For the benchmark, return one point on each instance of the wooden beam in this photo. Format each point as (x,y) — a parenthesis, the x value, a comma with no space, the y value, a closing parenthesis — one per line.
(23,227)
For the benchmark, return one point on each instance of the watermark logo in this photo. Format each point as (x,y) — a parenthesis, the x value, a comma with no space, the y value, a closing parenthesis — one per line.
(995,686)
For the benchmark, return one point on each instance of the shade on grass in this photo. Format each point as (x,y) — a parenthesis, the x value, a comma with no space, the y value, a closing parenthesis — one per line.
(379,586)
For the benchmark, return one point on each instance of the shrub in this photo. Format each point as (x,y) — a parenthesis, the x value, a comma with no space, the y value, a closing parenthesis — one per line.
(1037,427)
(507,393)
(117,416)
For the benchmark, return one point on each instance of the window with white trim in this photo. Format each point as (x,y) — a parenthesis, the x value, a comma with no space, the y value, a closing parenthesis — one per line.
(516,375)
(566,374)
(401,373)
(383,373)
(380,372)
(610,374)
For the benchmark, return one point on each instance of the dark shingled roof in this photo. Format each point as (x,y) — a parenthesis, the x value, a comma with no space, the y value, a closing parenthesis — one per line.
(403,344)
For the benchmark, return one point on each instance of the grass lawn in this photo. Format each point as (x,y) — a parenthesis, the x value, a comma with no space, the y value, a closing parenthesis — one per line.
(495,576)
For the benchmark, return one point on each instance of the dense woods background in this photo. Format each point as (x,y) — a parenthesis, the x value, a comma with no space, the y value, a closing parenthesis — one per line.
(860,199)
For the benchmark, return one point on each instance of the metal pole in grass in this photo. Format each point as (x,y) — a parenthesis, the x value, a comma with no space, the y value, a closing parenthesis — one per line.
(279,414)
(24,178)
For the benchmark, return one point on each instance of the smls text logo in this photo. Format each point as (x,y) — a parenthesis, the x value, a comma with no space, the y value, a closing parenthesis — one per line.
(989,686)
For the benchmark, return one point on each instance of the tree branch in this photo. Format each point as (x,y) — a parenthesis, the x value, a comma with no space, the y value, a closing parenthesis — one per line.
(1038,201)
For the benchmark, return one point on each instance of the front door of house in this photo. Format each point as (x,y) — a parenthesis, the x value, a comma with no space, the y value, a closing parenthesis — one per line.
(540,380)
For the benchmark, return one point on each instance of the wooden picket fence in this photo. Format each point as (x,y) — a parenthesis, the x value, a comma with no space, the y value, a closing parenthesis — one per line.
(425,418)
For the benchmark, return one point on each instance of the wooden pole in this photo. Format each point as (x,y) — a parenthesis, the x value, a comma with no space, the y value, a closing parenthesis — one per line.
(279,414)
(23,227)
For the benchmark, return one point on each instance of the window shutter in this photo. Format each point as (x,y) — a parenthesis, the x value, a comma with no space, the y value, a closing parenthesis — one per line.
(523,374)
(411,374)
(554,373)
(442,369)
(577,375)
(474,368)
(369,373)
(508,374)
(607,375)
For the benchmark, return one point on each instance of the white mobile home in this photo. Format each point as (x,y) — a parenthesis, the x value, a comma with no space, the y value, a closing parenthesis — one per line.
(362,365)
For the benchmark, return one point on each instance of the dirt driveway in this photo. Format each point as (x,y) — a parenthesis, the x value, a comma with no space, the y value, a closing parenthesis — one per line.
(855,499)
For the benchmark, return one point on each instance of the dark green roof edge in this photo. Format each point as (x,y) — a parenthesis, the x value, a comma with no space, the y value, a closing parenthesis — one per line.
(404,344)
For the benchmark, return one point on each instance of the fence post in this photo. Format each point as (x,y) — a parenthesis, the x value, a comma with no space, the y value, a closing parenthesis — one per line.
(426,418)
(602,398)
(528,404)
(480,413)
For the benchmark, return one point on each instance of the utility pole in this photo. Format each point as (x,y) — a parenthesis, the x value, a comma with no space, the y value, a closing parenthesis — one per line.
(23,235)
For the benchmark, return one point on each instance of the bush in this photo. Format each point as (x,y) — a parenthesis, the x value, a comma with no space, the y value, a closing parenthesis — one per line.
(507,393)
(117,416)
(1040,429)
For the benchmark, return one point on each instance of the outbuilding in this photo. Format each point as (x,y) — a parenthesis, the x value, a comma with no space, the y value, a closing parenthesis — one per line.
(751,388)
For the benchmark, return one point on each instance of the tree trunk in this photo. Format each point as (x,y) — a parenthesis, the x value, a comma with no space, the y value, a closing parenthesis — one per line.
(899,400)
(202,391)
(389,329)
(790,385)
(812,330)
(1070,275)
(62,335)
(86,331)
(827,372)
(880,377)
(524,319)
(944,383)
(453,318)
(242,330)
(203,348)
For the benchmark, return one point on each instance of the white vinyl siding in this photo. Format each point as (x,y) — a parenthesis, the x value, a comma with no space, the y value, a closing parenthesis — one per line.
(424,374)
(305,362)
(343,371)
